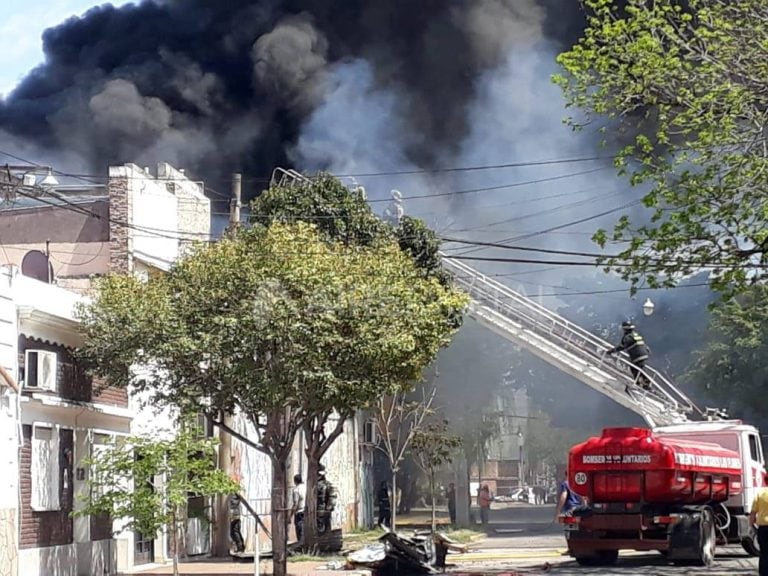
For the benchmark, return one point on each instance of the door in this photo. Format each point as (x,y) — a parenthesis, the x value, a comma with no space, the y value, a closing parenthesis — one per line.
(755,466)
(143,544)
(143,548)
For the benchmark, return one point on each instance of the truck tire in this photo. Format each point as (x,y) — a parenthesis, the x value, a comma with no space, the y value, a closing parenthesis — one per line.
(750,544)
(599,558)
(707,537)
(693,541)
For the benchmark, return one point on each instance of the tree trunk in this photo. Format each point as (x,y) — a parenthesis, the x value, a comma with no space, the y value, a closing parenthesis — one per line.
(469,491)
(221,542)
(279,515)
(432,493)
(393,505)
(310,517)
(175,544)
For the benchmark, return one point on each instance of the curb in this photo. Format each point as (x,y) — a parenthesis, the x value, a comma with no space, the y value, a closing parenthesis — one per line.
(480,557)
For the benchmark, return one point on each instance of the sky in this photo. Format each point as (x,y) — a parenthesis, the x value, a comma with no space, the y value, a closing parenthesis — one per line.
(21,31)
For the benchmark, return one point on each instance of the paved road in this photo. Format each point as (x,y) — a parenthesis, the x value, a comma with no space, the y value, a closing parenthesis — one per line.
(524,539)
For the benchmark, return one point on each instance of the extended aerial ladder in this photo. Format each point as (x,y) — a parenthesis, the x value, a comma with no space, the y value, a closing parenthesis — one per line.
(570,348)
(560,342)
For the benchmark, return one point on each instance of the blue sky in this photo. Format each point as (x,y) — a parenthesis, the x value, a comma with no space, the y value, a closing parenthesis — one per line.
(21,30)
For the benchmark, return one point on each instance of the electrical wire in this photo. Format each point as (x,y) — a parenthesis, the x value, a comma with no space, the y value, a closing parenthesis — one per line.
(156,232)
(528,248)
(476,168)
(499,187)
(560,226)
(448,169)
(76,264)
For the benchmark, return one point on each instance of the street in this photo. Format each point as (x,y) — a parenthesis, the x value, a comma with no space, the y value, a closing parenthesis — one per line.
(523,538)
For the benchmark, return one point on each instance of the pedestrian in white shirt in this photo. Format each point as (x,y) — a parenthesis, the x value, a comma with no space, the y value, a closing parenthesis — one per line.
(298,506)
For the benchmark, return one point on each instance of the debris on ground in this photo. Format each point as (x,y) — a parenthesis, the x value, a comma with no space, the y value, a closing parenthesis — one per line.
(421,553)
(335,565)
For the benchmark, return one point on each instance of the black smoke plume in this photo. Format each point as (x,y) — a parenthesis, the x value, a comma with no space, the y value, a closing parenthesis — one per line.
(222,86)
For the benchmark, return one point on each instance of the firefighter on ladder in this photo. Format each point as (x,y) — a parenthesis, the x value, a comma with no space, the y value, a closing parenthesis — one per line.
(633,344)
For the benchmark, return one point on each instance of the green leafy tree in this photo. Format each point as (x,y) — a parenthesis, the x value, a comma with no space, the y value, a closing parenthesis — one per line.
(271,323)
(685,85)
(434,446)
(344,215)
(123,482)
(423,245)
(733,367)
(341,215)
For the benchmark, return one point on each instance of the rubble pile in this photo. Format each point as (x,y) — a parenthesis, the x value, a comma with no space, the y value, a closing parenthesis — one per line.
(397,554)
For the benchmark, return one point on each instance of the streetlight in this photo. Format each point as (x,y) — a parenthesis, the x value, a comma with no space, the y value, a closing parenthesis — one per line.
(648,307)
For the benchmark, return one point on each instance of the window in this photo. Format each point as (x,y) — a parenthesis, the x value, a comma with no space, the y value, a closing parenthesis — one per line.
(754,455)
(369,432)
(45,471)
(40,369)
(99,448)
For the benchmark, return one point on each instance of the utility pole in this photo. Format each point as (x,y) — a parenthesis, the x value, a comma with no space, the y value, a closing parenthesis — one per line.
(221,548)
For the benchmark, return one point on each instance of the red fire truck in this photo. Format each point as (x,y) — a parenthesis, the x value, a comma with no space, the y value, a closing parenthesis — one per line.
(680,489)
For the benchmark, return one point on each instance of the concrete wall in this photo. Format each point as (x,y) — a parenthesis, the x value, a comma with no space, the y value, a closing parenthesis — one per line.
(68,259)
(253,470)
(50,561)
(341,463)
(165,215)
(193,207)
(9,436)
(79,243)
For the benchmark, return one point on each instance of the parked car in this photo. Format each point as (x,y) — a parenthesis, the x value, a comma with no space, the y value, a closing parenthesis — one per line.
(522,495)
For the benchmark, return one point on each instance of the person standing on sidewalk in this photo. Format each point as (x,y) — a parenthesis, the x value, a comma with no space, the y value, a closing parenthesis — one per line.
(234,523)
(385,505)
(298,506)
(451,497)
(759,517)
(484,499)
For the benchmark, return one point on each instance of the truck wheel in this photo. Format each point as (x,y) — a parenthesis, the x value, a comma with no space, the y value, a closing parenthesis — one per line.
(750,544)
(707,538)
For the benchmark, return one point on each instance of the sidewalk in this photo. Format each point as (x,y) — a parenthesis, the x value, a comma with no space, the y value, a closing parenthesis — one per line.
(213,567)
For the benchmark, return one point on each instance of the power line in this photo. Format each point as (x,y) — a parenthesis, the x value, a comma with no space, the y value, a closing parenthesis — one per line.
(185,236)
(476,168)
(561,226)
(416,171)
(544,212)
(528,261)
(528,248)
(499,187)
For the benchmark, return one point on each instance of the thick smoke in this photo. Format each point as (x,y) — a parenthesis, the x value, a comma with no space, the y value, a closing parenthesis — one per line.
(219,86)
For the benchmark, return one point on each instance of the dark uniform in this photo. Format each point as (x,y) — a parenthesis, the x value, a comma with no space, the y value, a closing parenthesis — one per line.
(326,501)
(385,505)
(633,344)
(234,523)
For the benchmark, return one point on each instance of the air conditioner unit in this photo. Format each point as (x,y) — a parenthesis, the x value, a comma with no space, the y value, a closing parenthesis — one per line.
(369,433)
(41,370)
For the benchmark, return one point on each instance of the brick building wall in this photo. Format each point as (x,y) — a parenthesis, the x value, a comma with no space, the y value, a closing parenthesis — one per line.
(73,381)
(120,210)
(55,528)
(110,395)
